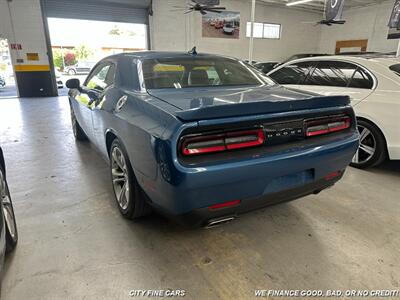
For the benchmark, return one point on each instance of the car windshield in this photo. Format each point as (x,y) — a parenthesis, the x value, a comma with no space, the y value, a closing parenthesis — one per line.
(395,68)
(198,72)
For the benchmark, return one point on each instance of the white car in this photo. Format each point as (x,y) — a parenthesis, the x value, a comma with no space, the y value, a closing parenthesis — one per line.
(373,84)
(59,82)
(229,28)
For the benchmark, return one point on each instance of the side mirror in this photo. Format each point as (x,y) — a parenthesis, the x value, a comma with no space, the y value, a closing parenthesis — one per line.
(73,83)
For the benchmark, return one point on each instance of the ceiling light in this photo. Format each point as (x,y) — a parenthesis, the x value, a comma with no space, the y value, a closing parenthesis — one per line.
(297,2)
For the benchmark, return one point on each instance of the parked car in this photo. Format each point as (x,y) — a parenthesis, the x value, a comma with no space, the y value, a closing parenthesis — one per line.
(229,28)
(265,67)
(2,82)
(203,138)
(8,227)
(59,82)
(82,67)
(373,85)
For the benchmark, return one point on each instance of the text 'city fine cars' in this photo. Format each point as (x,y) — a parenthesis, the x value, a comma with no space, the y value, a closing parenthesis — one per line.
(202,138)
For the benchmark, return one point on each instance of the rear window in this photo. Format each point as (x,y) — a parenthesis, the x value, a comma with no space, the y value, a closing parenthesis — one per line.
(395,68)
(197,72)
(292,74)
(340,74)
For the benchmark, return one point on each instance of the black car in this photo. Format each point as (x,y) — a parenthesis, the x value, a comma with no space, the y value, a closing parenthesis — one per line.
(302,55)
(265,67)
(8,227)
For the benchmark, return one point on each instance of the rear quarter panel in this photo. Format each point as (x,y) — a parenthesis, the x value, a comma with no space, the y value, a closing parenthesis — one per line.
(382,107)
(140,125)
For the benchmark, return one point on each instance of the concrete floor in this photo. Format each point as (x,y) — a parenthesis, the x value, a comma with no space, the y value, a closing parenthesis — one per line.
(75,245)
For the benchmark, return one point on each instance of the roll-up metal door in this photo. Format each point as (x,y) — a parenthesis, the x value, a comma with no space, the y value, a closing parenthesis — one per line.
(127,11)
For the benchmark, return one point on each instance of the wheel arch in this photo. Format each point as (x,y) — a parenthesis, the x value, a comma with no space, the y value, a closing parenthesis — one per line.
(111,135)
(378,128)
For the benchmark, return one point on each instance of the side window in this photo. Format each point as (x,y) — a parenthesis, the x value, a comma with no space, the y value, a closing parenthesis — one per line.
(99,80)
(331,73)
(362,80)
(110,78)
(292,74)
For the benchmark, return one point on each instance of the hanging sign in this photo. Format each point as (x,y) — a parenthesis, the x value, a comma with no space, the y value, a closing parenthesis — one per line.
(394,22)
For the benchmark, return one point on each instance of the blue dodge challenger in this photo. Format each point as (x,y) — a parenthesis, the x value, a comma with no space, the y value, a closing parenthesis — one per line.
(203,137)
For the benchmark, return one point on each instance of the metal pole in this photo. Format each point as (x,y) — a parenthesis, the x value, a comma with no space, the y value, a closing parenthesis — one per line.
(253,10)
(398,50)
(62,55)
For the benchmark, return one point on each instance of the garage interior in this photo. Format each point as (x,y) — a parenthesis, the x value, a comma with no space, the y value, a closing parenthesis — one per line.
(73,243)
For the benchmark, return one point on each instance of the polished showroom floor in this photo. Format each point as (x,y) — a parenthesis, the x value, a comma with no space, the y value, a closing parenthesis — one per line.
(73,244)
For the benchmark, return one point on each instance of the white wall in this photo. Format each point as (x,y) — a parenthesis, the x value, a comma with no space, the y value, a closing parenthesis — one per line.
(27,30)
(171,30)
(369,22)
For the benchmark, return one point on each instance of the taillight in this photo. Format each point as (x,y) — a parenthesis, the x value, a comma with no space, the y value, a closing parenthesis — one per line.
(222,142)
(333,175)
(224,205)
(328,125)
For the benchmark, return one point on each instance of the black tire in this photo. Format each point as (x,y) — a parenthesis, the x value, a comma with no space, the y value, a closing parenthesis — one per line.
(8,215)
(374,139)
(134,205)
(79,134)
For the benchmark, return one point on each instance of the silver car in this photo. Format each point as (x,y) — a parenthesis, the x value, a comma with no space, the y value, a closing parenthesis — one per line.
(2,82)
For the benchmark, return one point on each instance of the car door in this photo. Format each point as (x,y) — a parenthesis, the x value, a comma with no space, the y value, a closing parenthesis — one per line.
(109,95)
(80,67)
(85,68)
(90,92)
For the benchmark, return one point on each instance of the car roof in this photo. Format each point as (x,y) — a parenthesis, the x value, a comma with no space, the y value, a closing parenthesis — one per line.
(385,60)
(162,54)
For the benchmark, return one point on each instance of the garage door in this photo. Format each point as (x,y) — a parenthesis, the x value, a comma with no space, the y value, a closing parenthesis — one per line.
(127,11)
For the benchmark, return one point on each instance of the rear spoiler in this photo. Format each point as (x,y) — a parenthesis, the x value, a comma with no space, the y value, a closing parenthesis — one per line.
(262,107)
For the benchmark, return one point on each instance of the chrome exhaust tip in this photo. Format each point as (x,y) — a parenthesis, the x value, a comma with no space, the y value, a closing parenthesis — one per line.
(218,221)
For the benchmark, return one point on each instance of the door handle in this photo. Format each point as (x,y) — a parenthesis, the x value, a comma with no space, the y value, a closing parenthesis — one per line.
(121,102)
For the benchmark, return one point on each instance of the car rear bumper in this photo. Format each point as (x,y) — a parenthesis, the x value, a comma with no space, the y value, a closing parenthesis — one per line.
(205,216)
(256,182)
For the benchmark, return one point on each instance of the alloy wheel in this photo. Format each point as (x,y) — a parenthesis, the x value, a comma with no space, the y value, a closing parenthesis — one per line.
(120,177)
(367,146)
(7,207)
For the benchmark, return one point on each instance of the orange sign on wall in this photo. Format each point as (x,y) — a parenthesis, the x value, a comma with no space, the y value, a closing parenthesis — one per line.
(362,44)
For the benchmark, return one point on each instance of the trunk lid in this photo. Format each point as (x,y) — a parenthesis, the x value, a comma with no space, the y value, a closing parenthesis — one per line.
(191,104)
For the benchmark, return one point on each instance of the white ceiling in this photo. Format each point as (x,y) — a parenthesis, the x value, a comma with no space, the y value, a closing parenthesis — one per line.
(318,5)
